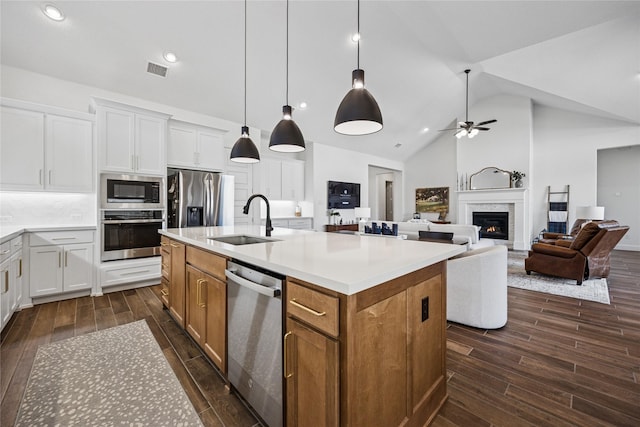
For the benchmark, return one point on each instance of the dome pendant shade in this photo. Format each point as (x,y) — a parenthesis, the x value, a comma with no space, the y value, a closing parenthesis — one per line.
(244,150)
(286,136)
(358,113)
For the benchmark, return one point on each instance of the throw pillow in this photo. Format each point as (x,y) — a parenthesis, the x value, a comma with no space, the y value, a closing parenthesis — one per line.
(586,233)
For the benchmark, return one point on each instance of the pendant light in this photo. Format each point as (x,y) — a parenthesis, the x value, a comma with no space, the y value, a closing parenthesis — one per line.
(286,136)
(244,150)
(358,113)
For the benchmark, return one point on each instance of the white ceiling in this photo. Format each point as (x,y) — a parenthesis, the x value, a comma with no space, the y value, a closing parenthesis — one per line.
(578,55)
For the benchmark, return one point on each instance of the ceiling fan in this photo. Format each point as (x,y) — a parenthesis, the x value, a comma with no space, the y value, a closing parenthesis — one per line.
(468,128)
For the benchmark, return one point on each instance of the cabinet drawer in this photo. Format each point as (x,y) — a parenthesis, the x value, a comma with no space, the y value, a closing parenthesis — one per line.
(164,291)
(129,272)
(300,224)
(282,223)
(5,251)
(207,262)
(16,244)
(45,238)
(315,308)
(165,265)
(165,243)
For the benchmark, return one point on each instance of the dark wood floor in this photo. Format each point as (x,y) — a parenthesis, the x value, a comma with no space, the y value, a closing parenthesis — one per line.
(557,362)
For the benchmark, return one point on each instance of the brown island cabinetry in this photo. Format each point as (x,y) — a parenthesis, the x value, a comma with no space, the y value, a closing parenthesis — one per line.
(374,358)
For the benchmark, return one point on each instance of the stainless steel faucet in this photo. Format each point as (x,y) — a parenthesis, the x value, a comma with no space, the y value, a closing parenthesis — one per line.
(245,210)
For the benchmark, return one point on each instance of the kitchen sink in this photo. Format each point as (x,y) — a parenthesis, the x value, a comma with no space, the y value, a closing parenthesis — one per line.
(242,239)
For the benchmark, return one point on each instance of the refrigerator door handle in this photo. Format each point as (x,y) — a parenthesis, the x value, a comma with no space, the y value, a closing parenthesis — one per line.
(207,201)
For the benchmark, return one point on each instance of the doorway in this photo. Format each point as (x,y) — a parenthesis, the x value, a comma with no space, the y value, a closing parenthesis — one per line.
(388,200)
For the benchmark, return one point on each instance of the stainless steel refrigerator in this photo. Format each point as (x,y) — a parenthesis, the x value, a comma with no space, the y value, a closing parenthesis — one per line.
(198,198)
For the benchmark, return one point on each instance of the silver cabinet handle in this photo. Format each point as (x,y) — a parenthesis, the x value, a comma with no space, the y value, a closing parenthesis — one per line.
(50,172)
(59,259)
(66,258)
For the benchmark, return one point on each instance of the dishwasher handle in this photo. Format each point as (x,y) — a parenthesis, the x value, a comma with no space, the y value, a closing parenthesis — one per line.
(264,290)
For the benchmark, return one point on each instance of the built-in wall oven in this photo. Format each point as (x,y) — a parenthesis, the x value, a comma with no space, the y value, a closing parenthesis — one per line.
(130,234)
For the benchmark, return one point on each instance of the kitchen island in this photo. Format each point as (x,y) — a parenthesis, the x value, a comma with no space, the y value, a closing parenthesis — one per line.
(365,319)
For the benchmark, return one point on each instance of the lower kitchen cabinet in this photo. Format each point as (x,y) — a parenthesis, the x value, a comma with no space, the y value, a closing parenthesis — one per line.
(177,274)
(343,351)
(206,302)
(10,278)
(311,364)
(63,267)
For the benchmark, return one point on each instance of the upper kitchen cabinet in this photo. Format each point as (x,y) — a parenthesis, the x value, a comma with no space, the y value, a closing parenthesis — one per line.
(282,179)
(131,139)
(45,148)
(195,147)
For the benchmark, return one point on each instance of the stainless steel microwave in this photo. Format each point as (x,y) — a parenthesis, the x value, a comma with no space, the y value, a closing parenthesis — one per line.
(131,192)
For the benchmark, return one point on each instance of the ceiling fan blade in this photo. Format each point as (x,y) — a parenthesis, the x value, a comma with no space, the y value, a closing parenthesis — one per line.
(442,130)
(487,122)
(481,128)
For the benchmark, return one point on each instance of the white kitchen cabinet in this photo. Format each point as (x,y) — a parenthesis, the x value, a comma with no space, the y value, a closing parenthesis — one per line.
(11,275)
(195,147)
(69,154)
(293,180)
(60,262)
(282,179)
(294,223)
(130,271)
(132,140)
(46,151)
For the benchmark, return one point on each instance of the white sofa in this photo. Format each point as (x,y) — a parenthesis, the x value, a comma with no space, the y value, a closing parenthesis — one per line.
(412,228)
(477,288)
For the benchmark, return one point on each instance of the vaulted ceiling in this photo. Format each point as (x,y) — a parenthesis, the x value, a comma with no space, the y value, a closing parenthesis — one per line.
(577,55)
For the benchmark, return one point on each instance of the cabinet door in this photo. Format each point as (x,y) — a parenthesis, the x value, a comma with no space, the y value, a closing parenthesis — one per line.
(45,270)
(210,153)
(6,291)
(311,371)
(292,180)
(181,147)
(177,286)
(150,145)
(216,327)
(21,149)
(272,178)
(16,280)
(195,318)
(116,138)
(78,267)
(69,154)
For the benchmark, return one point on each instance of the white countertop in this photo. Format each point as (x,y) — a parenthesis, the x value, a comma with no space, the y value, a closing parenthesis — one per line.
(8,232)
(346,263)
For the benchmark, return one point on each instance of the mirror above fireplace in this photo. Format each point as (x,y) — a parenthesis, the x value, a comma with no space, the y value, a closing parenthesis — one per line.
(490,178)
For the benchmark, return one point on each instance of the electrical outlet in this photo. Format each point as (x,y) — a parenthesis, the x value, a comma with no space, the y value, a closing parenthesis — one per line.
(425,308)
(76,217)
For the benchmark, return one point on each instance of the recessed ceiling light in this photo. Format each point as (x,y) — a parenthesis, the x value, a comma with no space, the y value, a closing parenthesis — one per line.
(425,130)
(53,12)
(355,37)
(398,145)
(302,105)
(170,57)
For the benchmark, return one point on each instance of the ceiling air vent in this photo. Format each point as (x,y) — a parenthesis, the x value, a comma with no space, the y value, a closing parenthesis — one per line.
(156,69)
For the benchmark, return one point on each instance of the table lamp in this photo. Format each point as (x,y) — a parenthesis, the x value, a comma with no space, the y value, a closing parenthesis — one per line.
(590,213)
(363,214)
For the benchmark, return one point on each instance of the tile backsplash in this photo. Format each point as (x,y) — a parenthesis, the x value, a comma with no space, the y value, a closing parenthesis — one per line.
(43,208)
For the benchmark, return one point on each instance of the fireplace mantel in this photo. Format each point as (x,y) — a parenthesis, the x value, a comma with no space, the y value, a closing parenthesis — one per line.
(516,197)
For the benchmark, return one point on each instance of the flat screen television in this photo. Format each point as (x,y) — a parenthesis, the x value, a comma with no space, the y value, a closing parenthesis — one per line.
(343,195)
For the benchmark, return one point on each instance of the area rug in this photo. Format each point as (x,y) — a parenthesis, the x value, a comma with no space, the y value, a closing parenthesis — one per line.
(591,290)
(115,377)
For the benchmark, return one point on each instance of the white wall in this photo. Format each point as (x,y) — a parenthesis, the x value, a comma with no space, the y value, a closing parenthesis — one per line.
(565,151)
(507,145)
(336,164)
(435,166)
(619,190)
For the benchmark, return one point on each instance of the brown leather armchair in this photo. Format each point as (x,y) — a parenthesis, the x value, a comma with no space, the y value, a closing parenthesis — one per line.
(551,237)
(585,257)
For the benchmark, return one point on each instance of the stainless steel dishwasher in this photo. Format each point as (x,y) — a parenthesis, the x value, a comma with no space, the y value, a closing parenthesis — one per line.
(254,321)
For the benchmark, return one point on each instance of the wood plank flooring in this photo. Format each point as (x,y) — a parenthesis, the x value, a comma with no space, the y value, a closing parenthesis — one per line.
(557,362)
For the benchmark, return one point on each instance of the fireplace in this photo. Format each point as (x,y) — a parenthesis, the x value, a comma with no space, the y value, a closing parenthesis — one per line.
(493,225)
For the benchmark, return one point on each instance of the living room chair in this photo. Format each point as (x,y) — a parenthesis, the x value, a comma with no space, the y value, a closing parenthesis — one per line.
(584,257)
